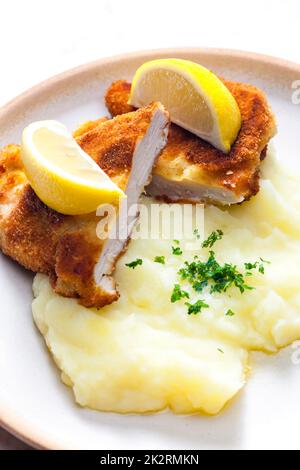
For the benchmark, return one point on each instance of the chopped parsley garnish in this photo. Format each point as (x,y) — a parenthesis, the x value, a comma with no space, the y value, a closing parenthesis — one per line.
(178,294)
(216,276)
(176,250)
(197,234)
(134,264)
(258,264)
(221,351)
(220,278)
(261,268)
(195,308)
(199,285)
(213,237)
(250,266)
(230,313)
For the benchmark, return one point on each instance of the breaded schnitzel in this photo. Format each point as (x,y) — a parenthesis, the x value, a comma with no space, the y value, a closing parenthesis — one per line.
(67,248)
(190,169)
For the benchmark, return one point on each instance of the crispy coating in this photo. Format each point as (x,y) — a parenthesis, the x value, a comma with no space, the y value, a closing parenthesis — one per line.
(187,157)
(117,97)
(67,247)
(40,239)
(112,143)
(88,126)
(11,176)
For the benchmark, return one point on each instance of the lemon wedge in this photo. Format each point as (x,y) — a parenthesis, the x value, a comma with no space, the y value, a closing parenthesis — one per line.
(62,175)
(196,99)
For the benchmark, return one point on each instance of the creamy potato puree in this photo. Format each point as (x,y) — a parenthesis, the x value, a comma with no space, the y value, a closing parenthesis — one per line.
(145,354)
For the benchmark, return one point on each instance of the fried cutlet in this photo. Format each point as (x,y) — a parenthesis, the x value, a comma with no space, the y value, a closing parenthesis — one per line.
(68,248)
(190,169)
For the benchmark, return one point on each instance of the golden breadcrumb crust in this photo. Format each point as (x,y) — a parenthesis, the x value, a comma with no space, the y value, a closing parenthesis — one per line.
(187,157)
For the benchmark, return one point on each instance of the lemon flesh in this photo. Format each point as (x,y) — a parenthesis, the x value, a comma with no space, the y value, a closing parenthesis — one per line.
(196,99)
(62,175)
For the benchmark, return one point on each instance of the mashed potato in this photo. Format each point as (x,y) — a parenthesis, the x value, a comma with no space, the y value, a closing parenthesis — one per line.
(145,354)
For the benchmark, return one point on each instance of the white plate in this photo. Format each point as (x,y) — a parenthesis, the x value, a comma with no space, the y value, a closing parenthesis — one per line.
(34,404)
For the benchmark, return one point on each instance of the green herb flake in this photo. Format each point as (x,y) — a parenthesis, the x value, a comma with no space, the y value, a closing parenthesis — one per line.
(230,313)
(212,239)
(194,309)
(197,234)
(260,265)
(221,351)
(134,264)
(178,294)
(199,286)
(211,273)
(160,259)
(250,266)
(261,269)
(176,250)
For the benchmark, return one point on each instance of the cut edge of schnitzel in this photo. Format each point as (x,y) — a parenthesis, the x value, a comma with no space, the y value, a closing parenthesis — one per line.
(192,170)
(116,163)
(67,248)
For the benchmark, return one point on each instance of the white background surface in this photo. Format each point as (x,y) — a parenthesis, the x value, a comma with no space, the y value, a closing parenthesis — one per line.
(41,38)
